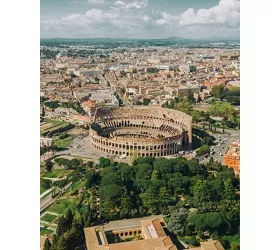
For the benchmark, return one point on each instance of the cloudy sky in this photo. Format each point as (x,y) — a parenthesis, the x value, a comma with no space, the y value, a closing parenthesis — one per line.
(140,18)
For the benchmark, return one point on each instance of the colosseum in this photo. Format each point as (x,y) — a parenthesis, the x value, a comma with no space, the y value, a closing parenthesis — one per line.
(141,130)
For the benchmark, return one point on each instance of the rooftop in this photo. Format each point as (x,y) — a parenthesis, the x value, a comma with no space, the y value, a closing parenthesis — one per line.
(152,233)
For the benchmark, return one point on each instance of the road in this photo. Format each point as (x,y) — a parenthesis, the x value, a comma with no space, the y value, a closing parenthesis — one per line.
(223,143)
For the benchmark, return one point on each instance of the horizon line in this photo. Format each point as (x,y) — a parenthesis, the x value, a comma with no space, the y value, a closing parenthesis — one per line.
(174,37)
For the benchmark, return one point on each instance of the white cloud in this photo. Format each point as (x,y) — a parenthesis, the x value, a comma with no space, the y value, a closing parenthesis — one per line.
(92,17)
(227,12)
(130,18)
(129,5)
(167,19)
(119,3)
(96,1)
(146,18)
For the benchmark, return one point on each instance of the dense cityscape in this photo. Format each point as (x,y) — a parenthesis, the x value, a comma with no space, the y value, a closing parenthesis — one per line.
(139,144)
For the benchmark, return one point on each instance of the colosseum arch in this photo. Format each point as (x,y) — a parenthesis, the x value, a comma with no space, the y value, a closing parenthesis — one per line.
(163,131)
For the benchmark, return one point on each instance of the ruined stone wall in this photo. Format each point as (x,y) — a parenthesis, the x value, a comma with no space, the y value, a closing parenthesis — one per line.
(176,127)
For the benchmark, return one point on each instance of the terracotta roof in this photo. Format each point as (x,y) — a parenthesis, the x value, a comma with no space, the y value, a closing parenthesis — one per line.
(211,245)
(146,244)
(90,103)
(158,241)
(42,242)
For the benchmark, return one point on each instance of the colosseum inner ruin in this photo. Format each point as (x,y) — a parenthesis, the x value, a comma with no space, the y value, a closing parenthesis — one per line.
(141,130)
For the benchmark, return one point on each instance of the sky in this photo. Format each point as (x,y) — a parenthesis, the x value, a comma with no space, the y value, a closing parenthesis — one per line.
(140,18)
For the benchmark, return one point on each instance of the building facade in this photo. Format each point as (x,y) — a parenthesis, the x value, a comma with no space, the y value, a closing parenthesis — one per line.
(144,131)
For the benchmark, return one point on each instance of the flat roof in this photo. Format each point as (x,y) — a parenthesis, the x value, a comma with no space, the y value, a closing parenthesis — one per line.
(129,223)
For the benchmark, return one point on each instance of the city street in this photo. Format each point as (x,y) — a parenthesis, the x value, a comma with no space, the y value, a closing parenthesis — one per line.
(223,141)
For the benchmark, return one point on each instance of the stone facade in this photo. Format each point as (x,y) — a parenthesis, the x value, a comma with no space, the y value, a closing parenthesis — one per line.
(141,130)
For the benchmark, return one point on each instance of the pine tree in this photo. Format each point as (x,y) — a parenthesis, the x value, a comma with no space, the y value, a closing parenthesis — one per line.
(68,218)
(61,244)
(61,227)
(47,245)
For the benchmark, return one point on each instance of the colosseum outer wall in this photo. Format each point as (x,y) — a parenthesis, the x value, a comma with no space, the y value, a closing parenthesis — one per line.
(175,128)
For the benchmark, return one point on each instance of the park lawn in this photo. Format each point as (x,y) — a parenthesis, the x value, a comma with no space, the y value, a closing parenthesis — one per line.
(60,206)
(55,122)
(186,239)
(42,189)
(166,220)
(64,143)
(45,231)
(48,217)
(57,173)
(78,185)
(233,238)
(75,186)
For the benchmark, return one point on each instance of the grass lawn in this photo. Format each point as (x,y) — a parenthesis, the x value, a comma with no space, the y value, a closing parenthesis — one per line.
(232,238)
(48,217)
(45,231)
(64,143)
(55,122)
(75,186)
(42,190)
(61,206)
(78,185)
(166,219)
(56,173)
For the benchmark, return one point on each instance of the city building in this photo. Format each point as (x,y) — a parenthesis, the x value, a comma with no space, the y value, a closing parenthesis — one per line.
(105,98)
(89,107)
(209,245)
(232,157)
(143,234)
(46,142)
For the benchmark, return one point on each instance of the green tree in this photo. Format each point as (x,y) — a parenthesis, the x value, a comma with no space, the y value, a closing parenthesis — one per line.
(46,184)
(204,149)
(126,206)
(149,201)
(48,165)
(222,109)
(92,178)
(201,192)
(207,140)
(219,91)
(196,116)
(68,218)
(47,245)
(179,183)
(61,244)
(104,162)
(193,241)
(164,198)
(230,192)
(177,221)
(61,227)
(234,246)
(212,222)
